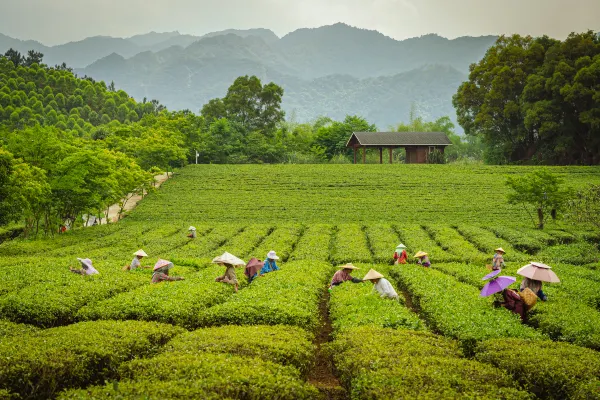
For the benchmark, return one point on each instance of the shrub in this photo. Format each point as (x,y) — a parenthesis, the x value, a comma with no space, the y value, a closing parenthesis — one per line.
(314,244)
(286,345)
(8,328)
(177,303)
(550,370)
(282,240)
(208,376)
(288,296)
(353,305)
(416,239)
(39,365)
(456,310)
(350,245)
(379,363)
(576,253)
(487,242)
(383,240)
(451,241)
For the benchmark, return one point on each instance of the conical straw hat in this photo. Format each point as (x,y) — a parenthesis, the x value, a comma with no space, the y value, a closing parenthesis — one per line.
(500,249)
(228,258)
(348,266)
(163,263)
(140,253)
(420,254)
(372,274)
(401,246)
(191,228)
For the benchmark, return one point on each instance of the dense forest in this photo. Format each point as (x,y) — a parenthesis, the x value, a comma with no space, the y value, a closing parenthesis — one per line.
(535,100)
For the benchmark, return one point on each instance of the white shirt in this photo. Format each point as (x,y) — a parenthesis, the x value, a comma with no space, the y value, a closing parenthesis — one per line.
(135,263)
(385,289)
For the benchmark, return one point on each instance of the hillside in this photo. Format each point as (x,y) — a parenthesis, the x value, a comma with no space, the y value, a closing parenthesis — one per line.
(332,70)
(56,97)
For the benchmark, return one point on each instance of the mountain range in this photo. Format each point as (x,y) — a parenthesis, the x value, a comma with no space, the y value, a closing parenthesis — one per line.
(332,70)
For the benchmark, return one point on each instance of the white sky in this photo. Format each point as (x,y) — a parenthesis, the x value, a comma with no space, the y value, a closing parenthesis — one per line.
(58,21)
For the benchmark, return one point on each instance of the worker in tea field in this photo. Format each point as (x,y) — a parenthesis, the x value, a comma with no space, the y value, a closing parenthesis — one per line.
(270,264)
(161,272)
(253,268)
(422,259)
(498,260)
(229,261)
(86,267)
(136,262)
(535,286)
(192,234)
(514,302)
(381,285)
(400,256)
(343,275)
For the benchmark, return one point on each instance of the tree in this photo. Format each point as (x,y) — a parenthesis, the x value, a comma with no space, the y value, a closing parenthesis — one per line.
(539,192)
(332,138)
(14,56)
(7,210)
(250,104)
(33,57)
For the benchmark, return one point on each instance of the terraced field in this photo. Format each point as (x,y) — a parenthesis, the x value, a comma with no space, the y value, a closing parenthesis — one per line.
(116,336)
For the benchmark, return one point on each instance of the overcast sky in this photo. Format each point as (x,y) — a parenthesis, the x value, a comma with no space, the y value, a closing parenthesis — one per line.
(58,21)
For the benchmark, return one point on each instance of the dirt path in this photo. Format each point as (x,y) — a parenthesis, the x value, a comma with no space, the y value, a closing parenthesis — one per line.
(113,211)
(321,376)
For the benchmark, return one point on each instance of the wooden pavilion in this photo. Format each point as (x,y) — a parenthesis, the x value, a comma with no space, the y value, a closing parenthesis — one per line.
(417,144)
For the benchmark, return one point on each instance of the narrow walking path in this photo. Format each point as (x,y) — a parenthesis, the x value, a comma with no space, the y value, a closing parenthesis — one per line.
(113,211)
(321,376)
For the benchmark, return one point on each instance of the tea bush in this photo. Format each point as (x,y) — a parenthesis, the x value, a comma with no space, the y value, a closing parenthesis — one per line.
(40,364)
(548,369)
(379,363)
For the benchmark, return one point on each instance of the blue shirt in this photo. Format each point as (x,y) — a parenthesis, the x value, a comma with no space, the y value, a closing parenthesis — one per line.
(269,266)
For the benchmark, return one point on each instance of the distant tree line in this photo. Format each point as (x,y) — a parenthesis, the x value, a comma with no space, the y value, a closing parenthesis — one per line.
(535,100)
(71,146)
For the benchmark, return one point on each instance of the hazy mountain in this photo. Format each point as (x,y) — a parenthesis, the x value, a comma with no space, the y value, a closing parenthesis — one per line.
(80,54)
(333,70)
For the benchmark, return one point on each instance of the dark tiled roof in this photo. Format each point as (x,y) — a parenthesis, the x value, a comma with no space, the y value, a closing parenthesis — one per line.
(401,138)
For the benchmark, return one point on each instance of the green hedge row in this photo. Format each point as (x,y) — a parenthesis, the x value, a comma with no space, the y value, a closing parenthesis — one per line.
(286,345)
(209,376)
(56,302)
(314,244)
(352,305)
(350,245)
(417,239)
(487,242)
(40,364)
(455,309)
(550,370)
(283,240)
(8,328)
(383,240)
(452,242)
(178,303)
(289,296)
(242,244)
(379,363)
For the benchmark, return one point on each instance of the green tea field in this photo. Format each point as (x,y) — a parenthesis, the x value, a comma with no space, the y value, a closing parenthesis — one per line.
(284,336)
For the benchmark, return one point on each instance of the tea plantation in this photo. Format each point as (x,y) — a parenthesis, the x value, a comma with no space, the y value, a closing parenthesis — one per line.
(115,335)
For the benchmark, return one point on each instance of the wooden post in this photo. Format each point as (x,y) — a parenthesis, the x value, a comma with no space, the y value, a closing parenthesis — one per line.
(354,154)
(381,155)
(364,155)
(391,150)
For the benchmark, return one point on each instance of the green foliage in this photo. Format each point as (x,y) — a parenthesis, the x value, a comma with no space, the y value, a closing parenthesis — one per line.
(456,310)
(289,296)
(379,363)
(176,303)
(8,328)
(286,345)
(535,99)
(452,242)
(208,376)
(538,192)
(350,245)
(40,364)
(354,305)
(550,370)
(333,136)
(381,239)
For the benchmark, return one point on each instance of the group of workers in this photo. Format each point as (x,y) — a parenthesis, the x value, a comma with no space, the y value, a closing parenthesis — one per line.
(255,268)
